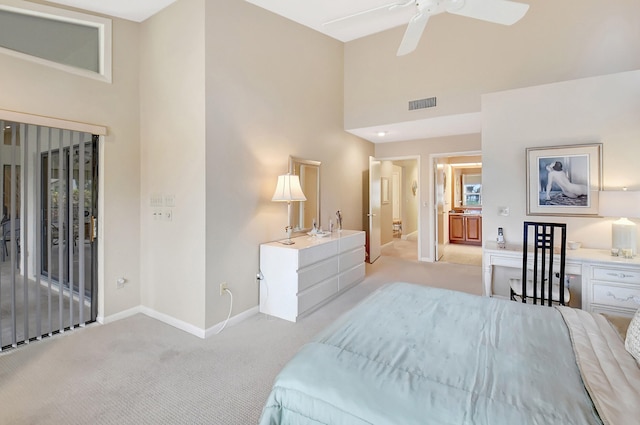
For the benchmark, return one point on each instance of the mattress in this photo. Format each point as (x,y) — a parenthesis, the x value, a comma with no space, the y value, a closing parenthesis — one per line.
(410,354)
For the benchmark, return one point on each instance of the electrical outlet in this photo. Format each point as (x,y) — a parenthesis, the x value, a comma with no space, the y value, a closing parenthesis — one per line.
(223,287)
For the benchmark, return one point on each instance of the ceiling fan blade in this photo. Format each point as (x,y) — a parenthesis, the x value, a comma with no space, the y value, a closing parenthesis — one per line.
(413,33)
(497,11)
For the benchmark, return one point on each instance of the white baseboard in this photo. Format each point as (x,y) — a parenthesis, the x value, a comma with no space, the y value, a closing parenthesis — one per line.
(232,321)
(408,235)
(118,316)
(172,321)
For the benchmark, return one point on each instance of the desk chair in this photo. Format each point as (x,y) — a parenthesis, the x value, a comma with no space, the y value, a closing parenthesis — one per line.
(543,265)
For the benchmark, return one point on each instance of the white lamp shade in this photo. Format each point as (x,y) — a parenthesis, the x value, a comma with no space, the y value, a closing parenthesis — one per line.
(619,203)
(288,189)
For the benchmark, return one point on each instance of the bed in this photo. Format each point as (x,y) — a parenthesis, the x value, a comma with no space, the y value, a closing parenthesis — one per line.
(410,354)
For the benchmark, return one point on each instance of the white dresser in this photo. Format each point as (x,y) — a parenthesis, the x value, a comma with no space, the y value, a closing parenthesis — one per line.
(299,278)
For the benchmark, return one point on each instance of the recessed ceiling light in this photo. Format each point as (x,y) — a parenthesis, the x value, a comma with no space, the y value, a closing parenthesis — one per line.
(382,133)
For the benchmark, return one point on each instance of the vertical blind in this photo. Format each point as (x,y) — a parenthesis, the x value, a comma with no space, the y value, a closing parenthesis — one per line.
(47,272)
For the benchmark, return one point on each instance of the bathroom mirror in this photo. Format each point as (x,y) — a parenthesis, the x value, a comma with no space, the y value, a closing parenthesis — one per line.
(303,213)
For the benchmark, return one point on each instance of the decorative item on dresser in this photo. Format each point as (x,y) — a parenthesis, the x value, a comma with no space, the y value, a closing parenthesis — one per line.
(298,279)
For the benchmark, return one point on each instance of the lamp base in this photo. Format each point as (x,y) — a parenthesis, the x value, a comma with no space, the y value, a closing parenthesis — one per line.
(287,242)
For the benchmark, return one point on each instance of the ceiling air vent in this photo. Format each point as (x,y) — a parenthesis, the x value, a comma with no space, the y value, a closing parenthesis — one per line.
(422,103)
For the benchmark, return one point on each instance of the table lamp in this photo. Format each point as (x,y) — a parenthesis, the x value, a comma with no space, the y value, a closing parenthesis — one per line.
(623,204)
(288,190)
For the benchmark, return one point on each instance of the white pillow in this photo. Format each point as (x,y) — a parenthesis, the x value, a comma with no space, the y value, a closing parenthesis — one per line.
(632,340)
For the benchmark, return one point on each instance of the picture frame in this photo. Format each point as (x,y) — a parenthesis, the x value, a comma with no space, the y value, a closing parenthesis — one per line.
(385,190)
(564,180)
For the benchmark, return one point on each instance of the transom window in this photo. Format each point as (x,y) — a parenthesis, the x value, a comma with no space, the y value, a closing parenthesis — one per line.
(72,41)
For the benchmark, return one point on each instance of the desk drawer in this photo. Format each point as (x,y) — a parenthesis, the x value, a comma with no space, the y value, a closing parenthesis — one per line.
(616,275)
(616,296)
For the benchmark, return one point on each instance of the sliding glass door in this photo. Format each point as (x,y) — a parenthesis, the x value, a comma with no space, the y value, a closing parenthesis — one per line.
(65,219)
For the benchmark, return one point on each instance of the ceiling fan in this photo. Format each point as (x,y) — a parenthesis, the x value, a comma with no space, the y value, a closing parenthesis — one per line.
(503,12)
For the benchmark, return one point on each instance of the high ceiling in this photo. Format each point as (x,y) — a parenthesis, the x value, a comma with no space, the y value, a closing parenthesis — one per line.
(132,10)
(311,13)
(318,14)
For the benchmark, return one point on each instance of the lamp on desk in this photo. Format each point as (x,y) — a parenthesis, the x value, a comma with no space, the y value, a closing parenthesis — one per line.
(624,204)
(288,190)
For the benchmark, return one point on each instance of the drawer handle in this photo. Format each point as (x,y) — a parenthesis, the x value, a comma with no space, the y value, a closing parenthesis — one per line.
(629,298)
(622,275)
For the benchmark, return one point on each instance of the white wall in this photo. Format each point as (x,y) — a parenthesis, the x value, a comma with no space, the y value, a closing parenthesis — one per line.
(601,109)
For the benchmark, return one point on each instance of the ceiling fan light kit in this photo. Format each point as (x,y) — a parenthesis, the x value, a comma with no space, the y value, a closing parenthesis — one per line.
(504,12)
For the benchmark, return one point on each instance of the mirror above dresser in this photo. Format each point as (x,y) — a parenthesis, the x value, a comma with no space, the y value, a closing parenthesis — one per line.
(303,213)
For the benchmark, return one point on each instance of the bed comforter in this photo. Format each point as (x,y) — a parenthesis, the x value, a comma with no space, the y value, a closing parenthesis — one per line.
(409,354)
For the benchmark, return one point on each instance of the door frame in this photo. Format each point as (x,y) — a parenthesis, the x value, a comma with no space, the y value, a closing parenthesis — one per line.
(432,216)
(419,193)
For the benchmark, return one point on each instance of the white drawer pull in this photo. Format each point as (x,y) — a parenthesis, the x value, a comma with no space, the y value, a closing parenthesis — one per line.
(629,298)
(622,275)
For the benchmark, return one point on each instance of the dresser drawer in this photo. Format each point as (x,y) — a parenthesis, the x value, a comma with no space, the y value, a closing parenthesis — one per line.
(351,277)
(615,295)
(316,253)
(351,259)
(348,243)
(317,294)
(317,272)
(616,275)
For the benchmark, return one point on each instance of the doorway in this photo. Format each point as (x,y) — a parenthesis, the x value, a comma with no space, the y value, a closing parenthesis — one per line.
(393,213)
(48,279)
(457,207)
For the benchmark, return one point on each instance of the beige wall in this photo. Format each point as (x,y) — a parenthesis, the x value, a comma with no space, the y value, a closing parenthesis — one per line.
(203,109)
(459,59)
(172,133)
(410,206)
(233,107)
(37,89)
(274,88)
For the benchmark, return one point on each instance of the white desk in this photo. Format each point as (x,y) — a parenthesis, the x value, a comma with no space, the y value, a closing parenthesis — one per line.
(609,284)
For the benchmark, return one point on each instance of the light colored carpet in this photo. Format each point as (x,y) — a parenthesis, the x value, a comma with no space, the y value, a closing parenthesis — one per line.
(462,254)
(141,371)
(406,249)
